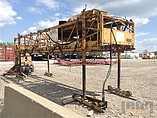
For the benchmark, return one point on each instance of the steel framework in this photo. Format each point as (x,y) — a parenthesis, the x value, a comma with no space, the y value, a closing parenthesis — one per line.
(89,31)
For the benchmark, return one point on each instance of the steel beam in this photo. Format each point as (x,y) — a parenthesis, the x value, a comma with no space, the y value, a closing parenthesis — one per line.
(84,54)
(48,63)
(119,64)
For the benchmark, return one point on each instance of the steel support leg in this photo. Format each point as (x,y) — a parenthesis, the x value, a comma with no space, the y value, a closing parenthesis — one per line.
(119,64)
(19,54)
(48,67)
(84,80)
(48,64)
(84,54)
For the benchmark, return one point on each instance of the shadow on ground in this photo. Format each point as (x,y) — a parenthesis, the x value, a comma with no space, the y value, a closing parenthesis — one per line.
(51,90)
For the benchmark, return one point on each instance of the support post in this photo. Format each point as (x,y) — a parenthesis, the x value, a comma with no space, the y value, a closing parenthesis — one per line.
(48,67)
(84,54)
(15,54)
(19,62)
(48,63)
(83,77)
(19,53)
(119,64)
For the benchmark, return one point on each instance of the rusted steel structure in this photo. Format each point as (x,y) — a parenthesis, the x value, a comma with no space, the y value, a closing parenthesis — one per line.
(89,31)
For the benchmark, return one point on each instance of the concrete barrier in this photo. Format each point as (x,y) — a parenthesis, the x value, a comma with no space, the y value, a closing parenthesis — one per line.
(21,103)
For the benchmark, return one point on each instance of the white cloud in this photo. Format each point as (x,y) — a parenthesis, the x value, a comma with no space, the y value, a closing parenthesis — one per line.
(141,34)
(43,24)
(32,29)
(24,32)
(19,18)
(149,44)
(48,23)
(7,14)
(52,4)
(140,21)
(80,8)
(1,41)
(35,10)
(139,10)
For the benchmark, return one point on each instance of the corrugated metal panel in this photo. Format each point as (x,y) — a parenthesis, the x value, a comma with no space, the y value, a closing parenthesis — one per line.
(2,57)
(6,53)
(9,53)
(2,53)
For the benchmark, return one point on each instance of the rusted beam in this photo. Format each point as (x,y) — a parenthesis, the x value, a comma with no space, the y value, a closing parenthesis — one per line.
(84,54)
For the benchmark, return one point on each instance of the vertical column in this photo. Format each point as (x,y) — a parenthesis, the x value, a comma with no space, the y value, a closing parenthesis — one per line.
(19,53)
(84,80)
(84,54)
(119,64)
(15,50)
(48,63)
(101,26)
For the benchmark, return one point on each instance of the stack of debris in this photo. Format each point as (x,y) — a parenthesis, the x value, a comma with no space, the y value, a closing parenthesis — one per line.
(88,62)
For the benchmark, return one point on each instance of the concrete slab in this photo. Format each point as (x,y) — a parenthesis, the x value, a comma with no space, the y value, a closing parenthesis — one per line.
(21,103)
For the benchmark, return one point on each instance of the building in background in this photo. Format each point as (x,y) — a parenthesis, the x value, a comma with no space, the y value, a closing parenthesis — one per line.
(130,55)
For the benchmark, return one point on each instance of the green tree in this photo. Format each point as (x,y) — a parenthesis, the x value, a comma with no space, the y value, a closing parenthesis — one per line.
(10,44)
(7,44)
(3,44)
(155,52)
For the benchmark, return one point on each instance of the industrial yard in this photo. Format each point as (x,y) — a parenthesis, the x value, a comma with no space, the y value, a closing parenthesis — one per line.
(138,76)
(78,59)
(89,85)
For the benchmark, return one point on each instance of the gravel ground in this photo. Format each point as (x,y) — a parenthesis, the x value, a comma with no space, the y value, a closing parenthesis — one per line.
(138,76)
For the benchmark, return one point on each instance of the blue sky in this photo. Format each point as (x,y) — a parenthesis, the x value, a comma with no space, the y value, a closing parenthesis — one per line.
(24,16)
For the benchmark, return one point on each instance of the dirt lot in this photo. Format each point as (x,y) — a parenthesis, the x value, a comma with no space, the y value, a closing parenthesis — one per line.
(138,76)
